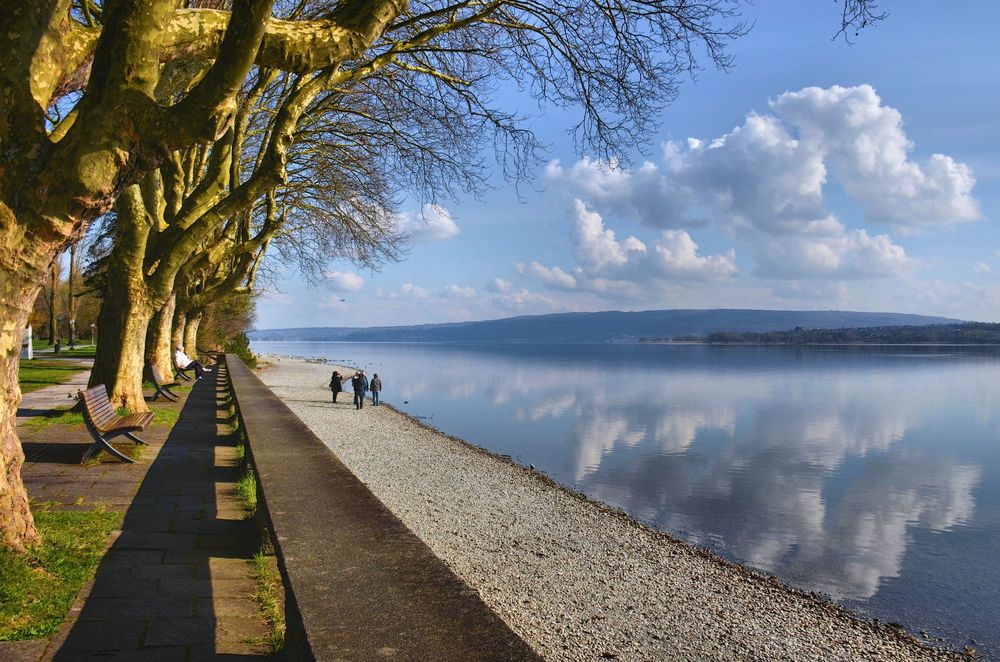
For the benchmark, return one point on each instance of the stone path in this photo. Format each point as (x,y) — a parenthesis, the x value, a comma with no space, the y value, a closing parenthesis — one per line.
(177,582)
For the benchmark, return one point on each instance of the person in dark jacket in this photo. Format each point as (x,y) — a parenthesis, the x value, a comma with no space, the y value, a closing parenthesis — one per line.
(360,384)
(375,386)
(336,384)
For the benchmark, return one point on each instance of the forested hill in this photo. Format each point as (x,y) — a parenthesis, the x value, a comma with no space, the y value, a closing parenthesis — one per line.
(610,326)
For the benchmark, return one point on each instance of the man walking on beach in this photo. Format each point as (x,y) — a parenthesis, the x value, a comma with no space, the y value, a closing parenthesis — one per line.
(360,384)
(375,386)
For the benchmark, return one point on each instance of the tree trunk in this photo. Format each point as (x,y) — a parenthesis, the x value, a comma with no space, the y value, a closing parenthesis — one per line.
(53,284)
(158,339)
(19,285)
(177,334)
(121,328)
(71,300)
(191,333)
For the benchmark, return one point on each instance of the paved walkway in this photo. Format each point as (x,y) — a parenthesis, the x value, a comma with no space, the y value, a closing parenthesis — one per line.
(177,581)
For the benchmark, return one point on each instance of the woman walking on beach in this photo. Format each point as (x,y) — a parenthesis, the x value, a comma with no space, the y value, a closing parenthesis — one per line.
(336,384)
(375,386)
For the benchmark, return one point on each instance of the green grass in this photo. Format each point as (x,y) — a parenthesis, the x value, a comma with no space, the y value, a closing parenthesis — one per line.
(39,373)
(246,489)
(165,416)
(269,597)
(38,588)
(58,417)
(241,452)
(87,351)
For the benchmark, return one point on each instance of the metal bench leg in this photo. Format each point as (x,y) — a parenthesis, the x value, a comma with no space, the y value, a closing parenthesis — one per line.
(102,444)
(165,392)
(136,439)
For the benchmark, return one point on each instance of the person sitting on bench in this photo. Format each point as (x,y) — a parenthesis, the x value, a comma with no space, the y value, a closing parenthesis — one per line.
(185,362)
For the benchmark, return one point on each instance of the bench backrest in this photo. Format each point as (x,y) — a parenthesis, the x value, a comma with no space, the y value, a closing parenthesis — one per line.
(97,407)
(157,376)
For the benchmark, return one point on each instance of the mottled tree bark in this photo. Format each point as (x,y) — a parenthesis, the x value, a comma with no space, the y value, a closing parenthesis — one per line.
(191,332)
(158,338)
(177,332)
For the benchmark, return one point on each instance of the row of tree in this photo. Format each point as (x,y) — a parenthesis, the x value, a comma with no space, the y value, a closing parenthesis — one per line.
(196,139)
(969,333)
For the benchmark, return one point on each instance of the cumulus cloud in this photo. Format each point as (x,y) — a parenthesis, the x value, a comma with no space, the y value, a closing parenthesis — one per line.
(499,285)
(554,277)
(626,267)
(344,281)
(459,292)
(408,291)
(431,223)
(763,184)
(982,269)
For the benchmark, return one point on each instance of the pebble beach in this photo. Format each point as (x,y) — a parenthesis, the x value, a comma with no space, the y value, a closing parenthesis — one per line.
(575,579)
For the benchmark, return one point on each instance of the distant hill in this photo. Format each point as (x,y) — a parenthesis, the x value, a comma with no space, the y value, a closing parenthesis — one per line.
(606,327)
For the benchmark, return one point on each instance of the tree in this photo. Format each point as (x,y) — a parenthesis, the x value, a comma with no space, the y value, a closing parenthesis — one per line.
(81,122)
(55,180)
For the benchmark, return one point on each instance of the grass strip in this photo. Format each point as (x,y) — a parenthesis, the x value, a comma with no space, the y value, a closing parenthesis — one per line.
(269,596)
(246,490)
(39,373)
(38,588)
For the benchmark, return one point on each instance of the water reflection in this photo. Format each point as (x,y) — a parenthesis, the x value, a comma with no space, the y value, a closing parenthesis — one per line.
(818,466)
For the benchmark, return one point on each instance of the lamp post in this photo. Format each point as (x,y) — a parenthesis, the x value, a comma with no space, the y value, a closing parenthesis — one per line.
(93,331)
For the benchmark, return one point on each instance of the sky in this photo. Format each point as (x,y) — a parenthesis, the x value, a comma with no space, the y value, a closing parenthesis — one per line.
(814,175)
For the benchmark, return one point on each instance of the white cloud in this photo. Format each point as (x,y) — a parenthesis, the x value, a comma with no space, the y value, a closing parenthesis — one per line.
(521,301)
(982,269)
(763,182)
(459,292)
(555,277)
(866,146)
(499,285)
(431,223)
(344,281)
(408,291)
(677,256)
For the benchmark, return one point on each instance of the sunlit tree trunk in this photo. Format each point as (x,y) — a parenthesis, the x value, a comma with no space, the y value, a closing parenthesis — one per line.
(191,332)
(177,333)
(126,309)
(71,300)
(158,339)
(24,265)
(53,286)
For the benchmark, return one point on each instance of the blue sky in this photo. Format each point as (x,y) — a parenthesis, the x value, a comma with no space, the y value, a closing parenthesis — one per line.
(814,175)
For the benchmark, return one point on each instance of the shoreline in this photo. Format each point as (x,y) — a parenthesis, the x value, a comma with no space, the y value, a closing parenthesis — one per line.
(576,578)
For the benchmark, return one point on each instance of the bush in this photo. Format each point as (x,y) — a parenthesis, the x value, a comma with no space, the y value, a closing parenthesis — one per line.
(240,346)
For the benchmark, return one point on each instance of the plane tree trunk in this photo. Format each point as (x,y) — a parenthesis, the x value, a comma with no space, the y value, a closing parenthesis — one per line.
(158,339)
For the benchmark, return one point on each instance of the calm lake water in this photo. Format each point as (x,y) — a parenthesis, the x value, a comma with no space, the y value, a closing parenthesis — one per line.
(871,475)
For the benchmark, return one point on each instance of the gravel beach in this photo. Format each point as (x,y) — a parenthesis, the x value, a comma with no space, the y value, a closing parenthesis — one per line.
(576,580)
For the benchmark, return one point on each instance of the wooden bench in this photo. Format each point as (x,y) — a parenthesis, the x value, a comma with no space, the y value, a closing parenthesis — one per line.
(162,385)
(104,424)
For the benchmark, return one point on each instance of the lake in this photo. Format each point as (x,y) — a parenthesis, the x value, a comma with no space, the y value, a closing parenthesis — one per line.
(868,474)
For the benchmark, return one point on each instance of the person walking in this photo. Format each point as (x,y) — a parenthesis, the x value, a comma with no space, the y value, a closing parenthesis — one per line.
(360,384)
(375,386)
(336,384)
